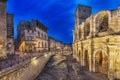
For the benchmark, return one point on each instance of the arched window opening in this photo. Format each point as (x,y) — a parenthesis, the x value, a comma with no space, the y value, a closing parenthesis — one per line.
(101,62)
(86,59)
(102,22)
(80,34)
(103,26)
(87,29)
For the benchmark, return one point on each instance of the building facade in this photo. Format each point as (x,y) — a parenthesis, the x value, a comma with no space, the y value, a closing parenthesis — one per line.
(56,45)
(41,33)
(51,43)
(3,29)
(26,37)
(96,42)
(32,36)
(10,34)
(67,47)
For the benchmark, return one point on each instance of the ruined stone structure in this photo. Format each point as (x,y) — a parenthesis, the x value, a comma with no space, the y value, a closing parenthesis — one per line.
(3,28)
(96,42)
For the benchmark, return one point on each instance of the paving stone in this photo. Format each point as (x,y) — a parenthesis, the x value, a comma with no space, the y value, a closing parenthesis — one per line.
(72,71)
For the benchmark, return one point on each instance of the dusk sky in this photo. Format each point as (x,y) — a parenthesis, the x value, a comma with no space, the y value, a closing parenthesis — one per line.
(57,15)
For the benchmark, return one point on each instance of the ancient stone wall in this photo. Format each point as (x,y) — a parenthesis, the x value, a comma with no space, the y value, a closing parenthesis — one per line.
(3,29)
(28,70)
(96,43)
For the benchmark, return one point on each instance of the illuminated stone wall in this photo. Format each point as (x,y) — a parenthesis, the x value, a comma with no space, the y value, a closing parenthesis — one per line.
(3,28)
(35,37)
(41,43)
(28,70)
(97,43)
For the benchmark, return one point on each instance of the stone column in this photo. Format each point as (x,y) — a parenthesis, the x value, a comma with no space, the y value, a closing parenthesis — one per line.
(90,65)
(111,62)
(111,68)
(94,64)
(83,59)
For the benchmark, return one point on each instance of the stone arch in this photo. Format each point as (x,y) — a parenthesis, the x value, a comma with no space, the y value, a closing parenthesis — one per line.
(30,48)
(80,55)
(102,20)
(86,58)
(101,61)
(87,28)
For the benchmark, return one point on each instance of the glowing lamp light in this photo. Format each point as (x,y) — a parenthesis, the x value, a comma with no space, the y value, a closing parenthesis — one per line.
(45,55)
(34,61)
(50,53)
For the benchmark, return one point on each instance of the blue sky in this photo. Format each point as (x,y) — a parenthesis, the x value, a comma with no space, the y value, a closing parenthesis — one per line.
(57,15)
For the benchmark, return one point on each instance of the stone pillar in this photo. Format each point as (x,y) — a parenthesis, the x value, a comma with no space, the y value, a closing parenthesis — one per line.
(111,62)
(111,68)
(93,64)
(90,64)
(83,59)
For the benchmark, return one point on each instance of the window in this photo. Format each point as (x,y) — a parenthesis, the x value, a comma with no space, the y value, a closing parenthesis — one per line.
(31,37)
(42,45)
(39,44)
(38,33)
(45,36)
(42,35)
(103,26)
(84,10)
(27,37)
(102,22)
(45,45)
(87,29)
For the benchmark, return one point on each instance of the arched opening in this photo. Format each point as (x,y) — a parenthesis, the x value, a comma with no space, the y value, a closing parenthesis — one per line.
(101,60)
(102,22)
(86,59)
(80,34)
(87,29)
(103,26)
(30,48)
(79,57)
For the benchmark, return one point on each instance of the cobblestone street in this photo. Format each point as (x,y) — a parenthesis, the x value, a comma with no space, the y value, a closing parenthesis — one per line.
(62,67)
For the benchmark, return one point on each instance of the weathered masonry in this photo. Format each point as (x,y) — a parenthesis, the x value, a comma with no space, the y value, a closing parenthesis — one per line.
(3,29)
(27,70)
(96,42)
